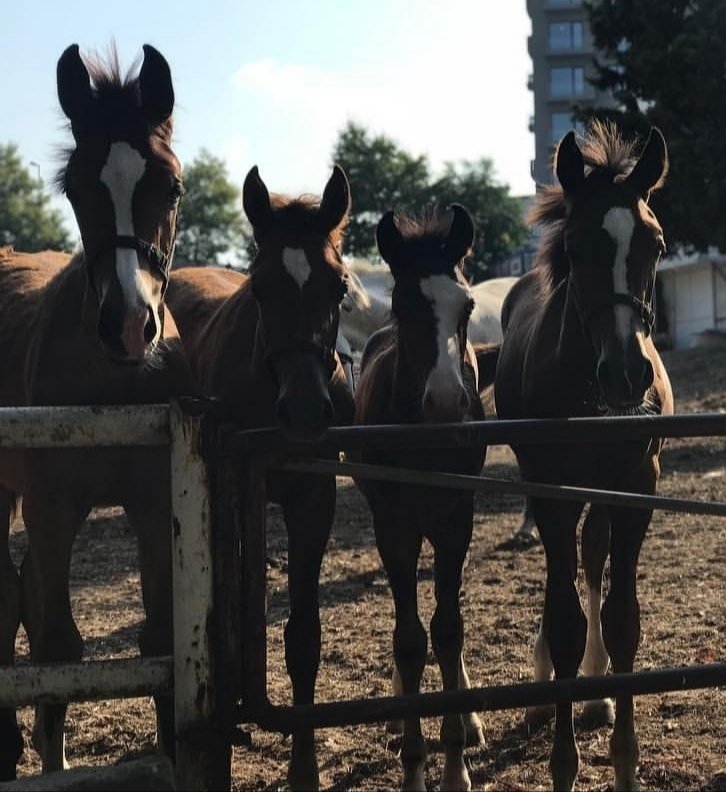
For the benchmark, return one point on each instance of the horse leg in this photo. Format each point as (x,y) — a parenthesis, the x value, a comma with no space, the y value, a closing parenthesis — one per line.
(11,741)
(309,519)
(563,624)
(52,522)
(447,637)
(151,519)
(595,546)
(537,716)
(399,547)
(621,630)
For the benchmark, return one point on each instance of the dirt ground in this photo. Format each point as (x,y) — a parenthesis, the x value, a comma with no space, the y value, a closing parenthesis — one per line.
(682,584)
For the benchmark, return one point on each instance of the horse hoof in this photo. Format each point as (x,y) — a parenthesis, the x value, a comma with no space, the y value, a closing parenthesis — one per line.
(537,717)
(598,713)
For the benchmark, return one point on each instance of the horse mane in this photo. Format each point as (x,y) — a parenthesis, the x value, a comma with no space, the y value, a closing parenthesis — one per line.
(608,158)
(299,216)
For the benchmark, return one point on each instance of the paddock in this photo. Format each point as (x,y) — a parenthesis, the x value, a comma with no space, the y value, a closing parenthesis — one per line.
(681,733)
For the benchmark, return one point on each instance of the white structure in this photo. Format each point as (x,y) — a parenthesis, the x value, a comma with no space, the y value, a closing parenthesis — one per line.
(694,292)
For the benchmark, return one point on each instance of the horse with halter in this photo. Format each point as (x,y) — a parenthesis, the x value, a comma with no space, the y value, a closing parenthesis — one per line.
(577,342)
(421,368)
(265,345)
(93,329)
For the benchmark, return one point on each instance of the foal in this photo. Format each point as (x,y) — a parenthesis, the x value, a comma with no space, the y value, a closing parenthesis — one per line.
(93,330)
(265,345)
(420,369)
(577,342)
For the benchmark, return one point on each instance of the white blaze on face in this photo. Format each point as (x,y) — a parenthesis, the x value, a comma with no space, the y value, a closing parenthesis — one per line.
(448,299)
(122,171)
(297,265)
(619,222)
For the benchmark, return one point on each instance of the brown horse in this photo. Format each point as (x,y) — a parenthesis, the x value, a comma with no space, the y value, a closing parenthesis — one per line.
(264,344)
(577,342)
(92,329)
(419,369)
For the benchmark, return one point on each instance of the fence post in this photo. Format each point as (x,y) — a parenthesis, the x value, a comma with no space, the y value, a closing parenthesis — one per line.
(203,753)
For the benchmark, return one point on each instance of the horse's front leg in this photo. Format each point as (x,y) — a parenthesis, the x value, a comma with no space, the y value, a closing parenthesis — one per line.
(52,520)
(621,630)
(595,547)
(399,545)
(308,518)
(447,634)
(563,624)
(11,741)
(150,516)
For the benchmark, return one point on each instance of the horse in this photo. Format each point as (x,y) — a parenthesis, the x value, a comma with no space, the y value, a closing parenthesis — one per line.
(421,368)
(264,344)
(92,329)
(577,342)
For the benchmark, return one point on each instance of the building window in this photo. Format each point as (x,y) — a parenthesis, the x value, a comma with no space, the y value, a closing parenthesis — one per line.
(561,124)
(567,81)
(566,36)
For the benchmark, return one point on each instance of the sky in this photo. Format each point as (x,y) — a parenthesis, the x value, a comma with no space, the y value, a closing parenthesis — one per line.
(272,82)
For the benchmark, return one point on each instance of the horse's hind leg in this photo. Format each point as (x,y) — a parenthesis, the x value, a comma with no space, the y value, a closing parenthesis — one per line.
(11,741)
(447,637)
(563,624)
(399,547)
(151,519)
(595,546)
(621,630)
(309,519)
(52,523)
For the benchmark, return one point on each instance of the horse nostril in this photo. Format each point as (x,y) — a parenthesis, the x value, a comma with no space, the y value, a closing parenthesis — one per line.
(648,375)
(150,326)
(428,401)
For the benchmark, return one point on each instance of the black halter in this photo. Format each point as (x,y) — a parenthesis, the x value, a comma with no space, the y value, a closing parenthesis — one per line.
(159,261)
(643,309)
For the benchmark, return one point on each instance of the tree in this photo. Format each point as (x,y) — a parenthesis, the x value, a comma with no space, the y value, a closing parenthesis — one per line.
(383,176)
(210,217)
(27,221)
(664,64)
(497,215)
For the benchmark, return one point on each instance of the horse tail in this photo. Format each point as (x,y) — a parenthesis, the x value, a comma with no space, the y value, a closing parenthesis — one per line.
(487,356)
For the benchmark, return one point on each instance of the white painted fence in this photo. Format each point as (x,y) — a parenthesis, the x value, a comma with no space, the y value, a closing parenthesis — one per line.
(202,761)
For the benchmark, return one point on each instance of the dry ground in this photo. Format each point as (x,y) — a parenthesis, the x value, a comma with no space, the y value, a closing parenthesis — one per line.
(682,588)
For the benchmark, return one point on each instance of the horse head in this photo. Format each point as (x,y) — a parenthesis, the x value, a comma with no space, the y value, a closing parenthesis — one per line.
(431,303)
(612,242)
(124,184)
(299,280)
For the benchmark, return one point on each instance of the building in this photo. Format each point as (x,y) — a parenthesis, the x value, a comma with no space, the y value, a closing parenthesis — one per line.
(562,55)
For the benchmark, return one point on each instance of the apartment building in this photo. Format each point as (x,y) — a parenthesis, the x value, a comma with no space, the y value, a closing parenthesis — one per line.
(562,53)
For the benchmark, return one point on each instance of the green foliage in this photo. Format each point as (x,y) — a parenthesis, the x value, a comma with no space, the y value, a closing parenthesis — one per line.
(383,176)
(664,63)
(210,218)
(27,221)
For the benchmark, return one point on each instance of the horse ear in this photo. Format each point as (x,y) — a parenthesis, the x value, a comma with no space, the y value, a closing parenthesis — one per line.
(389,239)
(569,164)
(256,200)
(74,84)
(650,170)
(461,234)
(157,92)
(335,204)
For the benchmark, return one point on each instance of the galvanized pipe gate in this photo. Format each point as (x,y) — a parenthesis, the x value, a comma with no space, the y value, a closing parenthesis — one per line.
(219,669)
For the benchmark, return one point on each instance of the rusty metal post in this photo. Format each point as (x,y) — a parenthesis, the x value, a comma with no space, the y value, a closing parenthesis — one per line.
(203,755)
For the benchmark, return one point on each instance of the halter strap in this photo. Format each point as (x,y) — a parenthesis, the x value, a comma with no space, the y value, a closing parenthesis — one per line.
(159,261)
(643,309)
